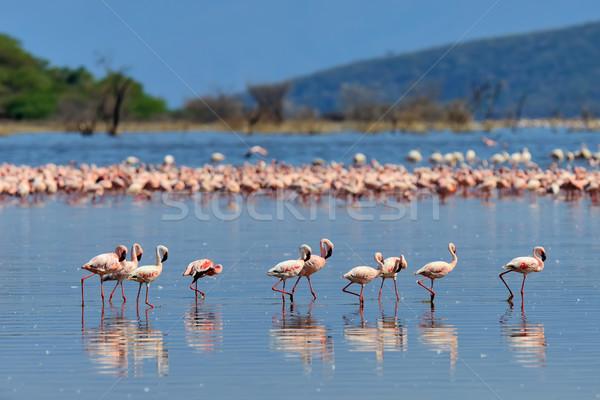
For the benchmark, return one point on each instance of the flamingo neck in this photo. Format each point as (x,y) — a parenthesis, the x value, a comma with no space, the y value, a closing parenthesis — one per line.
(158,258)
(323,249)
(538,258)
(454,260)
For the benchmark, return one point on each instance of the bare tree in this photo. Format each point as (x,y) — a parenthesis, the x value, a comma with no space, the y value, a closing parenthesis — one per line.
(269,101)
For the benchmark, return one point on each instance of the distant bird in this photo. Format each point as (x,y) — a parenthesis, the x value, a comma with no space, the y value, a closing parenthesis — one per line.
(217,157)
(489,142)
(169,159)
(437,269)
(199,269)
(361,275)
(314,264)
(148,273)
(359,159)
(414,156)
(389,269)
(525,265)
(127,267)
(257,150)
(102,265)
(289,269)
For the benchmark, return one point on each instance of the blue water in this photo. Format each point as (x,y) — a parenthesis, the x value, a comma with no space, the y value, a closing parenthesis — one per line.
(194,148)
(243,341)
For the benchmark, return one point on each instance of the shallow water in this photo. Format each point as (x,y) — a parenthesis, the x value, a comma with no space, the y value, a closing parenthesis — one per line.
(242,340)
(194,148)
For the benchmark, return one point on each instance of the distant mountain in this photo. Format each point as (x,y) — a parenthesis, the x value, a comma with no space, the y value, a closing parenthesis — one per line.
(555,72)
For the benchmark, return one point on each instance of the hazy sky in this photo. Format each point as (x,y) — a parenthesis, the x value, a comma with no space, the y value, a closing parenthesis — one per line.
(200,47)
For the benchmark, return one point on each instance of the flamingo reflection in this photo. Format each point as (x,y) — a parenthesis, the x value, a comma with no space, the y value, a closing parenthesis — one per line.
(120,344)
(203,328)
(439,336)
(301,336)
(387,334)
(526,339)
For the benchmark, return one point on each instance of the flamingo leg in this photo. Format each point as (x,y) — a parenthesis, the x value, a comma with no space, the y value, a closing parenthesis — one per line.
(123,292)
(429,290)
(362,287)
(83,279)
(196,289)
(523,285)
(113,292)
(283,292)
(356,294)
(139,290)
(148,287)
(396,288)
(503,281)
(102,289)
(381,289)
(294,288)
(311,289)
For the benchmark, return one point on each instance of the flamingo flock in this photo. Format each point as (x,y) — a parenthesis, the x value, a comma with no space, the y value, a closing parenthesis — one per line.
(114,267)
(451,174)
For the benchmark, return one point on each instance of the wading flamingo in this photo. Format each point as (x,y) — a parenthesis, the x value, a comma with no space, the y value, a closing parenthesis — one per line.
(525,265)
(437,269)
(257,150)
(389,269)
(148,273)
(199,269)
(289,269)
(104,264)
(127,267)
(361,275)
(314,264)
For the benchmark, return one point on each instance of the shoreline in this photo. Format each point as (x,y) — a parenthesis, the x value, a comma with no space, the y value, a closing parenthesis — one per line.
(305,127)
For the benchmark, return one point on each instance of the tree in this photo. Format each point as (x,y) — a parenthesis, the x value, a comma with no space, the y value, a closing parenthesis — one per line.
(269,101)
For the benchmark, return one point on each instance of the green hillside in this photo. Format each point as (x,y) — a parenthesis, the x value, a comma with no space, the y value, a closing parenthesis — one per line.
(556,73)
(30,88)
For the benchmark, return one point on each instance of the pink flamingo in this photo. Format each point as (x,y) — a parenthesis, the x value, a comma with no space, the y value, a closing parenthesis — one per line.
(437,269)
(389,269)
(289,269)
(361,275)
(104,264)
(257,149)
(148,273)
(199,269)
(525,265)
(315,264)
(127,267)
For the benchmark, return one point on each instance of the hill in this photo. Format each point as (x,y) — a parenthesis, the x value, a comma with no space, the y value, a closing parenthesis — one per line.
(553,72)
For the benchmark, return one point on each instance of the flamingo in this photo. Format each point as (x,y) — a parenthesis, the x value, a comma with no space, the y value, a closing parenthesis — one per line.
(361,275)
(289,269)
(389,269)
(315,264)
(437,269)
(104,264)
(199,269)
(257,149)
(148,273)
(525,265)
(126,269)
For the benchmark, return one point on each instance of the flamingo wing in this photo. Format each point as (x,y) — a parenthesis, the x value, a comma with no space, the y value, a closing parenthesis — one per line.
(201,267)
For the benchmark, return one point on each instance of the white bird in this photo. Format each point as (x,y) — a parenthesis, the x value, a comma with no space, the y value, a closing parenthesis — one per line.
(389,269)
(148,273)
(525,265)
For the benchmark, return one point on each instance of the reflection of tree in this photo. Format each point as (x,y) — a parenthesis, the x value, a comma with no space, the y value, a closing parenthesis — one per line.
(302,336)
(387,334)
(439,336)
(118,341)
(203,328)
(527,340)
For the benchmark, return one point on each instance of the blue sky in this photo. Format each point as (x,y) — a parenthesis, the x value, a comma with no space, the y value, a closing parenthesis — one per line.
(201,47)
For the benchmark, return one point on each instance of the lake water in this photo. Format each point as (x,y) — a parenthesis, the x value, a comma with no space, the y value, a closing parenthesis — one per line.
(243,341)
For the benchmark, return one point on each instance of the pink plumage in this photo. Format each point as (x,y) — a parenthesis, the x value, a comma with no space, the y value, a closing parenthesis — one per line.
(525,265)
(360,275)
(289,269)
(199,269)
(127,267)
(149,273)
(102,265)
(389,269)
(314,264)
(437,269)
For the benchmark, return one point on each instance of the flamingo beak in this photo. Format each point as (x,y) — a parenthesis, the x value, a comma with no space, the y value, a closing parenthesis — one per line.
(543,256)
